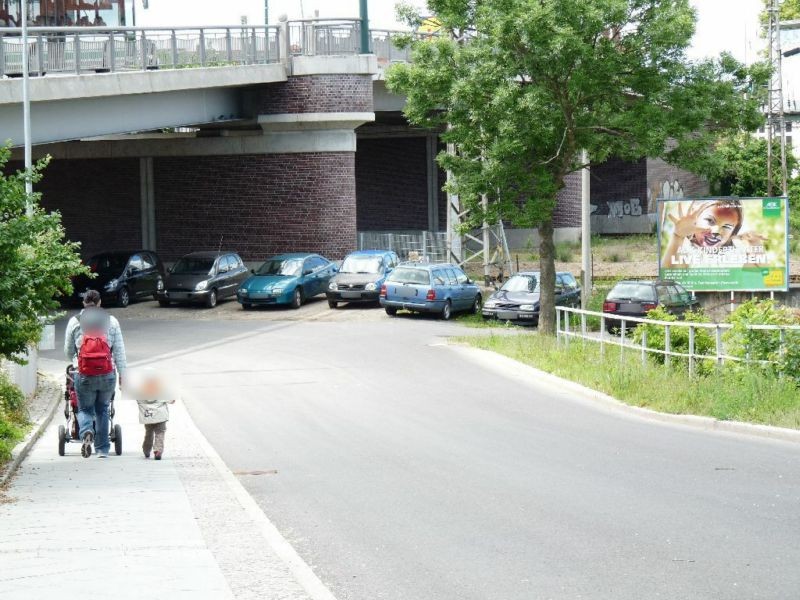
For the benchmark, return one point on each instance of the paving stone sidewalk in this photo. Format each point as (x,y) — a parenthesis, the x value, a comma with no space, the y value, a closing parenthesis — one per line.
(128,527)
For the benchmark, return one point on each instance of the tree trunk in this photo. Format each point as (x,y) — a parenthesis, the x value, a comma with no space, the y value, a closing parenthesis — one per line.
(547,285)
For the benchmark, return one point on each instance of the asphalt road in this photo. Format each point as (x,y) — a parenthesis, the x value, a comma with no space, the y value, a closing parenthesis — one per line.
(406,471)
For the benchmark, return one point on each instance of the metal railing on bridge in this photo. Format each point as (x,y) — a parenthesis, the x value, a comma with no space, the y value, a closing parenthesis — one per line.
(82,50)
(89,50)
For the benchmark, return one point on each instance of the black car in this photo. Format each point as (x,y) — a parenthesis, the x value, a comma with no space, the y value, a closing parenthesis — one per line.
(122,276)
(635,298)
(518,298)
(203,277)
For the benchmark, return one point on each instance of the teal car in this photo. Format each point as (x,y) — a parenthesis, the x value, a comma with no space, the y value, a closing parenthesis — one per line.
(287,279)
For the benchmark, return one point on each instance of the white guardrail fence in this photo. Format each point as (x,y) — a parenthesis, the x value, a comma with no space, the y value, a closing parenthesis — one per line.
(89,50)
(571,323)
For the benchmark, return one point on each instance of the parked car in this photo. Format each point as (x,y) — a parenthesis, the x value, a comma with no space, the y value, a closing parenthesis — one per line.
(518,298)
(361,276)
(287,279)
(434,288)
(122,276)
(203,277)
(637,298)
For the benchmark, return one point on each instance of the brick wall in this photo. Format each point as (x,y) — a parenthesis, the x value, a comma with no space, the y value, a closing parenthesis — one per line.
(261,204)
(568,206)
(668,181)
(392,184)
(617,180)
(99,201)
(312,93)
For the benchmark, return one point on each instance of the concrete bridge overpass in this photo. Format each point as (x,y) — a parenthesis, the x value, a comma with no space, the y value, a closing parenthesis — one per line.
(99,81)
(279,138)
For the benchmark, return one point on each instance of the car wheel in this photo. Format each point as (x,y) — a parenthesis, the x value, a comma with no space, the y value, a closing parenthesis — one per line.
(123,297)
(447,311)
(391,311)
(332,303)
(477,305)
(246,306)
(211,301)
(164,303)
(297,298)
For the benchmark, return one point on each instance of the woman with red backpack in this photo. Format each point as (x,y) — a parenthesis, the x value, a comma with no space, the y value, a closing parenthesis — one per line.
(93,342)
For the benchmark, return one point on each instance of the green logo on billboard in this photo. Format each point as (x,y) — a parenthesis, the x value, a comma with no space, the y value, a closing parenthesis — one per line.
(771,207)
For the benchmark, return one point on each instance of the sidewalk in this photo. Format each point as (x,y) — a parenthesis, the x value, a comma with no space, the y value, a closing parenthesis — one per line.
(127,527)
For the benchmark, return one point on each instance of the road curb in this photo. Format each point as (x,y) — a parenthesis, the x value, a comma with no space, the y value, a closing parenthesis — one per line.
(301,571)
(21,450)
(597,399)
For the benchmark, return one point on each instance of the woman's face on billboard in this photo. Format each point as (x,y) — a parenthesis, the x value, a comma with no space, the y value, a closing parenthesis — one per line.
(717,222)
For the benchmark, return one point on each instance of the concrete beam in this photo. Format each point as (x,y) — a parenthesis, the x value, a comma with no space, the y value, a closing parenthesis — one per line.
(276,142)
(72,119)
(65,87)
(314,121)
(356,64)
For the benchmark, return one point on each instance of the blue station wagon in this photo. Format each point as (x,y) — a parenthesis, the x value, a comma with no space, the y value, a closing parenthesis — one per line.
(287,279)
(433,288)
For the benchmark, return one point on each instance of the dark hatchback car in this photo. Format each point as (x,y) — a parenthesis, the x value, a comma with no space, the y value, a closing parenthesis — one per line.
(637,298)
(518,298)
(204,278)
(122,277)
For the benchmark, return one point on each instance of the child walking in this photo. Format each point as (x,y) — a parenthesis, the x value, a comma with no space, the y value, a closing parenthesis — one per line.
(153,400)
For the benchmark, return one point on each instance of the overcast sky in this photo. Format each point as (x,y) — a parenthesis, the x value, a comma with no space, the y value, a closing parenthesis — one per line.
(730,25)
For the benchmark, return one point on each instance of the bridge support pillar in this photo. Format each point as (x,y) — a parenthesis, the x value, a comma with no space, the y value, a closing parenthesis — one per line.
(148,203)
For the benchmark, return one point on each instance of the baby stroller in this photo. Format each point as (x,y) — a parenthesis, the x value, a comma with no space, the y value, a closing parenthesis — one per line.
(70,431)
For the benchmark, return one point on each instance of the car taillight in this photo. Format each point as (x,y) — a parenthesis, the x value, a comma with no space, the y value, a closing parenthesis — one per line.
(383,291)
(609,306)
(648,306)
(431,295)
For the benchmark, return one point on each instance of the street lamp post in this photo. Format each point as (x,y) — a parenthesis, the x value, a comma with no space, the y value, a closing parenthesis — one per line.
(266,12)
(26,109)
(365,49)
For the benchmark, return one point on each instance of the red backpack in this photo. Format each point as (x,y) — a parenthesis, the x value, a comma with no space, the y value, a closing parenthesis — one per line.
(94,356)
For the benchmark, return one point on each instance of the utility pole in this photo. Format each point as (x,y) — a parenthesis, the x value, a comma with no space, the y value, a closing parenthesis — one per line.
(266,12)
(586,232)
(26,109)
(775,116)
(364,10)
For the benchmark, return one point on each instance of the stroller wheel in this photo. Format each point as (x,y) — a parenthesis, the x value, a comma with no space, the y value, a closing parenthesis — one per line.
(62,439)
(117,439)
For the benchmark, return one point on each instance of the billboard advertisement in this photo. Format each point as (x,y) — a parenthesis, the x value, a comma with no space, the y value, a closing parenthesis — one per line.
(724,244)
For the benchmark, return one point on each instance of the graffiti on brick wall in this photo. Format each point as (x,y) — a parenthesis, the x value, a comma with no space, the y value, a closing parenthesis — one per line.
(624,208)
(669,190)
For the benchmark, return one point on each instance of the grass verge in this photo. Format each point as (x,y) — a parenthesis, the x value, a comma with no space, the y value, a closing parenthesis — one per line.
(735,395)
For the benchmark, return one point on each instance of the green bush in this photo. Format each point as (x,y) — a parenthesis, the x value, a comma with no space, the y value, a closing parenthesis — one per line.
(704,341)
(12,416)
(756,345)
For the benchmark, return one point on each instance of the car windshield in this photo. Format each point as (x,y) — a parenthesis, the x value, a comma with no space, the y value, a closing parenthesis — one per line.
(410,275)
(108,263)
(362,264)
(287,267)
(521,283)
(190,264)
(633,291)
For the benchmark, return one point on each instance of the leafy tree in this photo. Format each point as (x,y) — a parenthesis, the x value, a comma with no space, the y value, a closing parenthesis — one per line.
(790,9)
(737,166)
(521,87)
(35,261)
